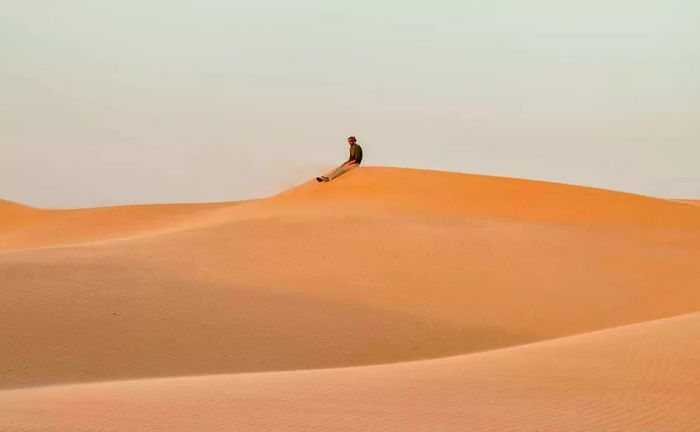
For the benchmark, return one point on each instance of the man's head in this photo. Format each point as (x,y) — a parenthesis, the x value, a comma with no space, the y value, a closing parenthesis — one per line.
(352,140)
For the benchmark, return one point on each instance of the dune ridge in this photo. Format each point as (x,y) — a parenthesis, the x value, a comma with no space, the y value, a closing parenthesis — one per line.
(383,266)
(490,197)
(23,227)
(441,194)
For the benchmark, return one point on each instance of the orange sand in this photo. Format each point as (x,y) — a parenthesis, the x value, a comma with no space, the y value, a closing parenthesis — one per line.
(379,267)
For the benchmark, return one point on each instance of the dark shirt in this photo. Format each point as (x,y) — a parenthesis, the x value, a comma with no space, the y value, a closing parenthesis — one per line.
(355,153)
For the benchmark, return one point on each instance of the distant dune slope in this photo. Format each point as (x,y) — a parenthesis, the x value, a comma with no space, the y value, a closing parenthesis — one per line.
(14,215)
(27,227)
(382,265)
(643,377)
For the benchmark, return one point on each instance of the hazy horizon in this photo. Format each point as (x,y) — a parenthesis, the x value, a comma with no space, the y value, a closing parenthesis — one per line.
(154,101)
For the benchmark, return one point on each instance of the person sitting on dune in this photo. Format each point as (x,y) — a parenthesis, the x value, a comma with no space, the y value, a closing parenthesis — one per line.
(353,161)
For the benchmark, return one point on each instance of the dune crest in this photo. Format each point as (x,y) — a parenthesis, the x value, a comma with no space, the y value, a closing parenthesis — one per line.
(13,215)
(23,227)
(489,197)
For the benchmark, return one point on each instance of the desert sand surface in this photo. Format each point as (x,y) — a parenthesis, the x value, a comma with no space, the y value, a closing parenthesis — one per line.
(639,377)
(387,299)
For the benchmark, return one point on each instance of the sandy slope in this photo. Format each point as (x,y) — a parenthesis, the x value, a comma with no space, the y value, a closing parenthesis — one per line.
(494,198)
(381,266)
(642,377)
(27,227)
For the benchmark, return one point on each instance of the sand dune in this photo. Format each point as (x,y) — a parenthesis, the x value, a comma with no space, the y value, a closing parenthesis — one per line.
(381,266)
(493,198)
(640,377)
(26,227)
(15,215)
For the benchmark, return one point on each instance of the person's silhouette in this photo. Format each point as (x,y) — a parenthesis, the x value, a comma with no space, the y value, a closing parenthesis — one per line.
(353,161)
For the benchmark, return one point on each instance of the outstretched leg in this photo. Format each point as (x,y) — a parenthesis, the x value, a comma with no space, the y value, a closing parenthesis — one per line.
(340,170)
(335,172)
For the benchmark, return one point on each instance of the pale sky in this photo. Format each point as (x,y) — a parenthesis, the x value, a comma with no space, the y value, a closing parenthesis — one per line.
(115,102)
